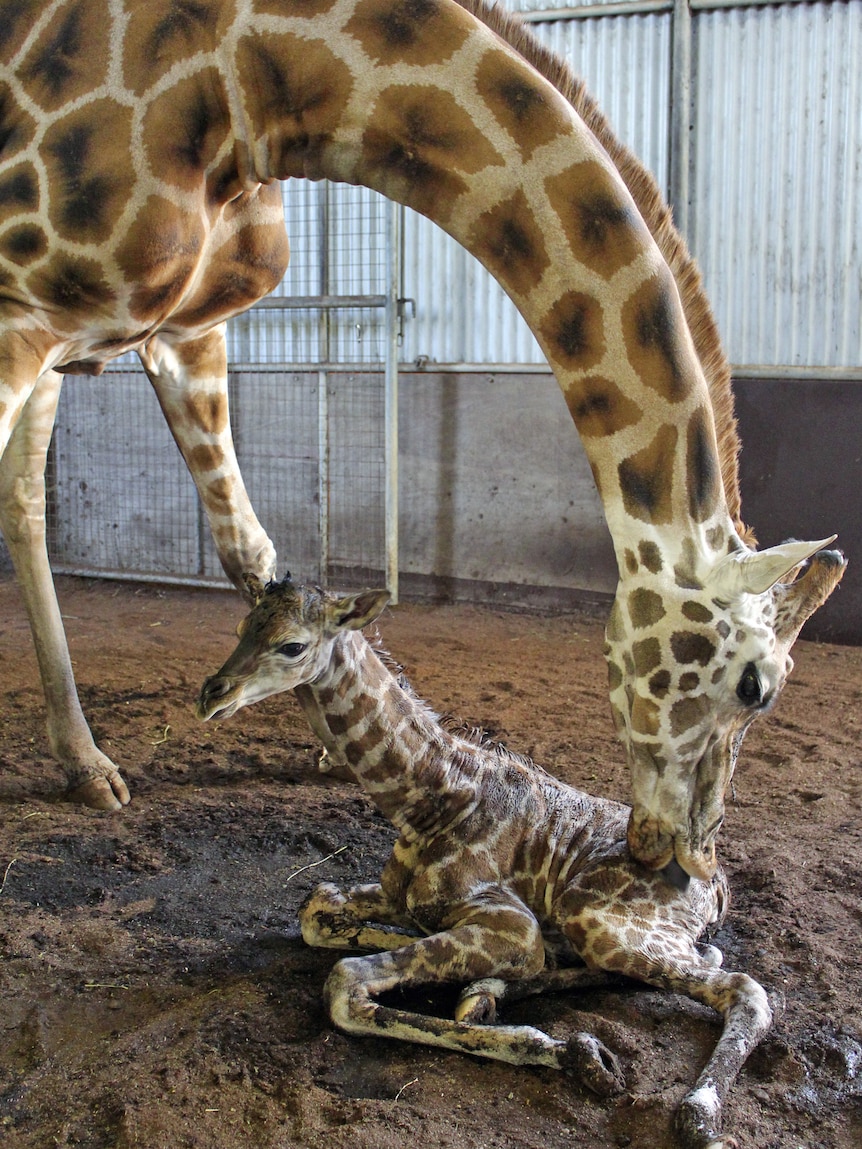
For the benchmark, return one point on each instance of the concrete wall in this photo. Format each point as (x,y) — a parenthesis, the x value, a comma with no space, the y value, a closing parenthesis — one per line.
(498,503)
(497,500)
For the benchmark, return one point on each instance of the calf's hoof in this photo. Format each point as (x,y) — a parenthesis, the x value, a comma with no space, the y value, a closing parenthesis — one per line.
(594,1065)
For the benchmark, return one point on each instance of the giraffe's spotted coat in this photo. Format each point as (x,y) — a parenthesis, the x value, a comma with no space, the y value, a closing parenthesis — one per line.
(140,149)
(497,863)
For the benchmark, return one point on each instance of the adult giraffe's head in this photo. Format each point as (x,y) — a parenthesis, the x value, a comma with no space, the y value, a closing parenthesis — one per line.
(693,658)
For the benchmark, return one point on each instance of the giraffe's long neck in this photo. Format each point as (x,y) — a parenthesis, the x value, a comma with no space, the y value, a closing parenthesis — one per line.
(422,102)
(418,775)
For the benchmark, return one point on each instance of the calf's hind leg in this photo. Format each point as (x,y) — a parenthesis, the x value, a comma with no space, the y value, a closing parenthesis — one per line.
(500,941)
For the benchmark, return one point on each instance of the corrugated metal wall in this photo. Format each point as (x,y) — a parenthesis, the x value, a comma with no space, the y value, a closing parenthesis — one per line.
(776,205)
(775,201)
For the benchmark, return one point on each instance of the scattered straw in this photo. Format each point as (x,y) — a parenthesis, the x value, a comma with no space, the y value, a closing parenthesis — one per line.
(163,738)
(311,865)
(406,1085)
(6,874)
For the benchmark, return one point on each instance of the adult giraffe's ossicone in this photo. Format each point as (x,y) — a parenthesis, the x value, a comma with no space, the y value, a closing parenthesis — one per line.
(140,143)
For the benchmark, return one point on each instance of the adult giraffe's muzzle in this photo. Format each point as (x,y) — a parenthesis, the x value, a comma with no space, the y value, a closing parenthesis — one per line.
(655,846)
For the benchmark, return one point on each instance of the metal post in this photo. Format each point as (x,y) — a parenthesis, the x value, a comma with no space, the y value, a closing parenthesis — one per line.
(390,409)
(680,115)
(323,472)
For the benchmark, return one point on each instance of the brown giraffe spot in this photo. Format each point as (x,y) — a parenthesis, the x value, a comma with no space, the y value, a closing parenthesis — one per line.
(654,341)
(160,35)
(615,630)
(717,675)
(688,712)
(246,268)
(19,191)
(604,232)
(688,646)
(659,684)
(716,537)
(205,358)
(702,467)
(519,103)
(206,457)
(689,681)
(408,31)
(219,494)
(509,242)
(23,244)
(208,411)
(630,561)
(646,479)
(307,8)
(615,676)
(646,715)
(650,556)
(159,255)
(696,612)
(645,608)
(420,143)
(70,56)
(295,90)
(16,125)
(87,157)
(599,407)
(184,129)
(71,284)
(646,655)
(17,18)
(723,630)
(573,331)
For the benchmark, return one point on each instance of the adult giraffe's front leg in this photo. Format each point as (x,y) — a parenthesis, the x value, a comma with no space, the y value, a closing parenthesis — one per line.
(190,380)
(93,777)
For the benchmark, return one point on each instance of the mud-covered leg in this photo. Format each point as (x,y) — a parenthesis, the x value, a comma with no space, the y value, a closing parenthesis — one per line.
(485,941)
(190,380)
(743,1004)
(654,942)
(351,920)
(93,777)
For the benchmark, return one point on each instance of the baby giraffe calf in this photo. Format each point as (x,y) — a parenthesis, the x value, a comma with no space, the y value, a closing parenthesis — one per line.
(500,871)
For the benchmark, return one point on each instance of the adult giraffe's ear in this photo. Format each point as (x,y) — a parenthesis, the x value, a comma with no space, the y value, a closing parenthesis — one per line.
(754,572)
(356,610)
(255,588)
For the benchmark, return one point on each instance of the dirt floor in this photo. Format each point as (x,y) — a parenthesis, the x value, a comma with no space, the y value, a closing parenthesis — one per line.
(155,991)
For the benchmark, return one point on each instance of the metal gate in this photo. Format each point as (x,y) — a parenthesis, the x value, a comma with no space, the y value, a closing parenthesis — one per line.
(313,389)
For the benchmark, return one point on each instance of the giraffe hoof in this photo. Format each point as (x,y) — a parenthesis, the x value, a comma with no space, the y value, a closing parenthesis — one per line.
(697,1120)
(594,1065)
(477,1008)
(110,793)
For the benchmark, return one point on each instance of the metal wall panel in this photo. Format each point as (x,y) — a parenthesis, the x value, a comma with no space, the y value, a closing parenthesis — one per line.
(462,315)
(776,203)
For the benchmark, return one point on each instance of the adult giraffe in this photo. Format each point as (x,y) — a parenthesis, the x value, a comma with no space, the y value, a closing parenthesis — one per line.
(139,145)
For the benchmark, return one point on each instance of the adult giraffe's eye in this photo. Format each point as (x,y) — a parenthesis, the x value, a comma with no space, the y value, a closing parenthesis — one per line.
(749,689)
(292,649)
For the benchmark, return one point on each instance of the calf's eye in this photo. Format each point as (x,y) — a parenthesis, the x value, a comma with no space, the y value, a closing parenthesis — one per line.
(292,649)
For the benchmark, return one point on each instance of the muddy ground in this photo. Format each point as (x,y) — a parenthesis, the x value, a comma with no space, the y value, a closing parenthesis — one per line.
(155,991)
